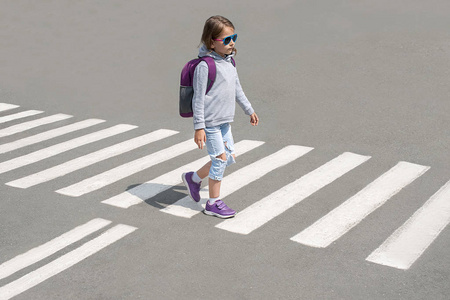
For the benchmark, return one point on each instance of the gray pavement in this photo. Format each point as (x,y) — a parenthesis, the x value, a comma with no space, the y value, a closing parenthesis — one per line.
(367,77)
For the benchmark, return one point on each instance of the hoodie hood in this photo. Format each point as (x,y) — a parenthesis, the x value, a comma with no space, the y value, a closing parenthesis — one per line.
(203,51)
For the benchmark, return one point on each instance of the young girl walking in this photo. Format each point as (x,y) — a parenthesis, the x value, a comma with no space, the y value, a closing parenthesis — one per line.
(214,112)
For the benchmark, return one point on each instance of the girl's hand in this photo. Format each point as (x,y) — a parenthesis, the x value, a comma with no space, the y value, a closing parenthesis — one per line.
(254,120)
(200,137)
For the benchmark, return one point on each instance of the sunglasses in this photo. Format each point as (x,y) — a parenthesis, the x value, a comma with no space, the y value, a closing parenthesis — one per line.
(228,39)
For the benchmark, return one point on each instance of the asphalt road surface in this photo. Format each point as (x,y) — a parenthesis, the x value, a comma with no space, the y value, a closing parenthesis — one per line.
(342,190)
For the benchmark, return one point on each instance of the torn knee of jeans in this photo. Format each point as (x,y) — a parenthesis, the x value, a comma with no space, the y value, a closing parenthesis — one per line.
(217,163)
(217,169)
(222,157)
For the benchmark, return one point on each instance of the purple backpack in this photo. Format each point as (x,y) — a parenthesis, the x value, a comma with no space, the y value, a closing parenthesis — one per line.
(187,77)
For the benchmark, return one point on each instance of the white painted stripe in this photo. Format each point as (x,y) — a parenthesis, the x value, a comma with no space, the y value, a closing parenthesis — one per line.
(90,159)
(48,135)
(32,124)
(20,115)
(64,262)
(6,106)
(187,208)
(36,254)
(350,213)
(409,241)
(39,155)
(125,170)
(278,202)
(164,182)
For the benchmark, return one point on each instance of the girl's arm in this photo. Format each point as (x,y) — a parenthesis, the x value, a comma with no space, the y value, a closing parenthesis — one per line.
(242,100)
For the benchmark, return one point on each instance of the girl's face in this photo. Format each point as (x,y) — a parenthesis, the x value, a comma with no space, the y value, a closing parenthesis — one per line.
(219,47)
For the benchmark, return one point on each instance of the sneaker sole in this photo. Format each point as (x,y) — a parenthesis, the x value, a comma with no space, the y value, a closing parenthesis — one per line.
(187,186)
(217,215)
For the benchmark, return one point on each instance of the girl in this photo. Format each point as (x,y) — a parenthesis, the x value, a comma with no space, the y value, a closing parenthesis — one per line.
(214,112)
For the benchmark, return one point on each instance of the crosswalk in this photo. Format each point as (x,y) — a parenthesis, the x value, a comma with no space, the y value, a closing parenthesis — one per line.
(335,224)
(42,154)
(11,130)
(400,250)
(278,202)
(164,182)
(187,208)
(19,115)
(408,242)
(90,159)
(125,170)
(62,263)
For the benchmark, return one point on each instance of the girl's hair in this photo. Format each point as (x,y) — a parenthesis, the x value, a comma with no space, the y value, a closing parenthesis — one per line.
(213,27)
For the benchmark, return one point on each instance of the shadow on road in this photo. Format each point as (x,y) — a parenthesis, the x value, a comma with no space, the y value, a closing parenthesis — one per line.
(168,195)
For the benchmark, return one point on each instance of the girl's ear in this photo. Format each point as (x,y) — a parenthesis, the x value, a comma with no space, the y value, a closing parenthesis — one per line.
(212,44)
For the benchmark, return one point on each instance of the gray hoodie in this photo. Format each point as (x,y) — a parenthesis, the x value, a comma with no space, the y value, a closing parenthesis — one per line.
(218,106)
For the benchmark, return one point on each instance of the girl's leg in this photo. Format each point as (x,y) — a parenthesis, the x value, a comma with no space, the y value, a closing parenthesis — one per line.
(216,144)
(220,147)
(204,171)
(214,185)
(216,150)
(214,188)
(224,146)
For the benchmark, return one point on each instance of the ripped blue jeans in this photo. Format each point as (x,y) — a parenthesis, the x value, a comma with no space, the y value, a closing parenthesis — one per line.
(219,140)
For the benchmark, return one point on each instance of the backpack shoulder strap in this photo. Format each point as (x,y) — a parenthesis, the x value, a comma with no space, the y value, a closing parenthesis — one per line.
(211,71)
(233,62)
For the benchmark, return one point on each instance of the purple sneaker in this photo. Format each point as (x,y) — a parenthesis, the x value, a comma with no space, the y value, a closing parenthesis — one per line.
(193,188)
(219,209)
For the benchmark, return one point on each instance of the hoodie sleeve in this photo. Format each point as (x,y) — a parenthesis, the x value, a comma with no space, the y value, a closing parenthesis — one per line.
(241,99)
(199,83)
